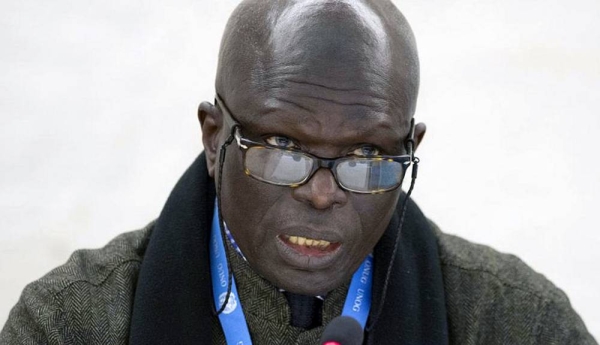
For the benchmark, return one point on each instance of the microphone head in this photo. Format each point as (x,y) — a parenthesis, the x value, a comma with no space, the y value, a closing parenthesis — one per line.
(343,330)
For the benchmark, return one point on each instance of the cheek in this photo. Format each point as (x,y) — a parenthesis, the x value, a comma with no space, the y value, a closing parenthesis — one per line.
(245,200)
(375,213)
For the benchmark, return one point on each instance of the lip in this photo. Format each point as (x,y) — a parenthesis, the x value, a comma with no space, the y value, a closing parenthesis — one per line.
(304,261)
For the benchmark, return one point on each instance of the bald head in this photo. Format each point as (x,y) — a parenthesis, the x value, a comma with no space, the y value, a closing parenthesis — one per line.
(333,79)
(327,44)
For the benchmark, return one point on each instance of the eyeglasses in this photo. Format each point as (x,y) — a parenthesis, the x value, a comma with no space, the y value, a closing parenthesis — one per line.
(291,167)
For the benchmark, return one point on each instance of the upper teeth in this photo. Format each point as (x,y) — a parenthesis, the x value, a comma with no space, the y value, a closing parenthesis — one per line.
(303,241)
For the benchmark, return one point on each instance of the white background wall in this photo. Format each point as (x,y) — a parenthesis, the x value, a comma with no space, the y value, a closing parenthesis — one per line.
(98,120)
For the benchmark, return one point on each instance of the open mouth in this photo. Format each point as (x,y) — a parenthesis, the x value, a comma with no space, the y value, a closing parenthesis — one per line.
(310,246)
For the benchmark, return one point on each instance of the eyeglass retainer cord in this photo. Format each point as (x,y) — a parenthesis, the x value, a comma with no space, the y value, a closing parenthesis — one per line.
(410,146)
(222,154)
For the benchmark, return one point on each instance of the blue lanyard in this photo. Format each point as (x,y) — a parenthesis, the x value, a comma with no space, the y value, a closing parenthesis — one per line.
(233,322)
(358,300)
(232,318)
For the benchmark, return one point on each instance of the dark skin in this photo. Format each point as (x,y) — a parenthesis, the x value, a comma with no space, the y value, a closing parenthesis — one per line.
(330,78)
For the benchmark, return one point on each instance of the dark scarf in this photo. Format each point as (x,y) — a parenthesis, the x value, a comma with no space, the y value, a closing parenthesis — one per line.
(174,295)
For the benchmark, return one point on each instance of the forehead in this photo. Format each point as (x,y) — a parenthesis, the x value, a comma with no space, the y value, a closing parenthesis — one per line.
(327,67)
(340,46)
(322,120)
(337,108)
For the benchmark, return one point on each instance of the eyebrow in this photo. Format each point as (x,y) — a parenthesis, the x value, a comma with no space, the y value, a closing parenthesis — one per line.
(370,133)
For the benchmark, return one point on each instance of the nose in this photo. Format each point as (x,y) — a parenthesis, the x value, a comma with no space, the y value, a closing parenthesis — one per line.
(321,191)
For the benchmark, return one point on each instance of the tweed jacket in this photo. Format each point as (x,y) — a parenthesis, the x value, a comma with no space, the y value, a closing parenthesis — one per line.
(491,298)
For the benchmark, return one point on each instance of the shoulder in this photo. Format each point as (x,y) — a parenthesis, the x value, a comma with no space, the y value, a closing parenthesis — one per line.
(494,297)
(84,300)
(459,256)
(94,266)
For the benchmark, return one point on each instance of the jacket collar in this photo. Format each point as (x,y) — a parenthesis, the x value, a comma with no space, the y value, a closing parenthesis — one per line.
(173,299)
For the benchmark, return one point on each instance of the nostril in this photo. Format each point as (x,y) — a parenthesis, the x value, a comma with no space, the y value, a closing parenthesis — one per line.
(321,191)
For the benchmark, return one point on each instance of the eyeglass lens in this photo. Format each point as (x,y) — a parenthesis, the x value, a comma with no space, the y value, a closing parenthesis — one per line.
(277,166)
(283,167)
(364,174)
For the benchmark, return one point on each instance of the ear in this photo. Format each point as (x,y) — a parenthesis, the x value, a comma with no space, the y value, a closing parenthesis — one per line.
(420,129)
(211,123)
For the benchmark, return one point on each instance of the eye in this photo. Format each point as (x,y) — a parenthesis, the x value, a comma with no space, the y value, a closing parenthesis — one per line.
(366,150)
(281,141)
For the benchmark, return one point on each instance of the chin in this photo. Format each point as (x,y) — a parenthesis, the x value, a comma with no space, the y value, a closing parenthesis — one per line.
(308,283)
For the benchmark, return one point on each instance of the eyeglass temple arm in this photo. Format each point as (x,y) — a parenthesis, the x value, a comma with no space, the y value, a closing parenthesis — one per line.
(233,135)
(410,147)
(410,140)
(235,132)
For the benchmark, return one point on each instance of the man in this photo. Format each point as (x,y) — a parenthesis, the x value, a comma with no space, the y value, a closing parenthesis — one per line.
(293,205)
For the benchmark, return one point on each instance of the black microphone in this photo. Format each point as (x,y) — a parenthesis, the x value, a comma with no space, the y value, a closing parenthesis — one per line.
(343,330)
